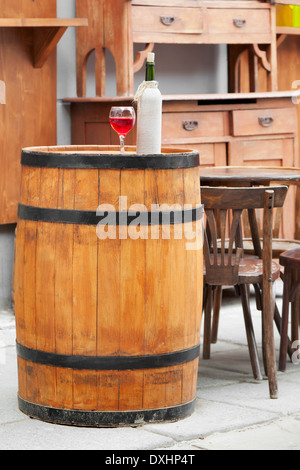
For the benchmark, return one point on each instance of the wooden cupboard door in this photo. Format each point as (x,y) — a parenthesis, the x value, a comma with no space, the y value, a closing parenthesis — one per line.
(210,154)
(270,153)
(265,152)
(90,125)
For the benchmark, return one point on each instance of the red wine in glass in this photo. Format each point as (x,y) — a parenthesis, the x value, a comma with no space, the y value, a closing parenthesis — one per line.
(122,120)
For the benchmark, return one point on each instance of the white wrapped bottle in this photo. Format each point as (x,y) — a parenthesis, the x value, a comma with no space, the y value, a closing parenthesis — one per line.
(149,112)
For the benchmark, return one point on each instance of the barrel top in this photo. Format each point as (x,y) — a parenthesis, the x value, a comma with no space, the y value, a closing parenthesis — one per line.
(107,157)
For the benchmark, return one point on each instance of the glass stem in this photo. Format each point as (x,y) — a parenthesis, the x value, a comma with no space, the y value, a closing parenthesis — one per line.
(122,143)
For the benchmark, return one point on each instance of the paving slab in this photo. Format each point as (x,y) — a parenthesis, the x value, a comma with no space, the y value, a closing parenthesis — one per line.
(31,434)
(283,434)
(255,396)
(210,417)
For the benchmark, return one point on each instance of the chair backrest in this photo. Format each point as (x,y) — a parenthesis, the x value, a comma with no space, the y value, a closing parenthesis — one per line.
(223,241)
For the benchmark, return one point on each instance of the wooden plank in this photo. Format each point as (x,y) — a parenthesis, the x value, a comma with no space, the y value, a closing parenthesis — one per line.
(193,262)
(201,3)
(19,282)
(290,30)
(85,265)
(132,270)
(155,299)
(45,288)
(64,288)
(109,262)
(45,263)
(42,22)
(182,38)
(84,291)
(88,39)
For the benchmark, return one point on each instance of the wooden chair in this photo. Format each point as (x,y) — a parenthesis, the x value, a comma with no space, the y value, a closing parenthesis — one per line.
(225,263)
(279,245)
(291,278)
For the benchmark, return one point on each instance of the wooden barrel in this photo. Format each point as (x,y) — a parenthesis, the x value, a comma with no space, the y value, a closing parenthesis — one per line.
(108,292)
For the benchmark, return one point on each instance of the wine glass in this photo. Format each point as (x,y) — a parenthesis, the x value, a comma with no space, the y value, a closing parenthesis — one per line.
(122,120)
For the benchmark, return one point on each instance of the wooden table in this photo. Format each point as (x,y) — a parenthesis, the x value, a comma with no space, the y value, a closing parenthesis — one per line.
(261,176)
(249,176)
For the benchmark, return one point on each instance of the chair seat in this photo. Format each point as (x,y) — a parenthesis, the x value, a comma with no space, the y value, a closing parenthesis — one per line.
(251,270)
(290,259)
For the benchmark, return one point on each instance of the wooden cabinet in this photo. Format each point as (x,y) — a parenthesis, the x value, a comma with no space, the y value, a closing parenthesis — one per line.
(119,24)
(253,129)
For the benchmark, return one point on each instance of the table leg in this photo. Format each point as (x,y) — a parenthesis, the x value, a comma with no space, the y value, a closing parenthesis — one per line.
(295,307)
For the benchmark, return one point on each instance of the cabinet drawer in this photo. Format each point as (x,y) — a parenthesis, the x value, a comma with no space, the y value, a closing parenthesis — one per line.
(264,121)
(238,21)
(192,125)
(174,20)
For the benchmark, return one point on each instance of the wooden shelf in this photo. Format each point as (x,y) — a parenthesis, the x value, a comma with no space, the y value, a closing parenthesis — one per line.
(192,97)
(46,33)
(291,30)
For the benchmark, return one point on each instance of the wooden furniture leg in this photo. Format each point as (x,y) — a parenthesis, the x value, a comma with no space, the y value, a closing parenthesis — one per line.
(268,299)
(291,292)
(207,323)
(118,39)
(111,26)
(216,314)
(295,308)
(87,41)
(250,334)
(272,79)
(285,318)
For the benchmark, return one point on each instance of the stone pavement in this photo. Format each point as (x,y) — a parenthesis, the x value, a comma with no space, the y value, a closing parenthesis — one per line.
(233,411)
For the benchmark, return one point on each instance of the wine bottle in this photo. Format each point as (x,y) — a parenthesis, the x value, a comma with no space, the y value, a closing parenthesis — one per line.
(149,112)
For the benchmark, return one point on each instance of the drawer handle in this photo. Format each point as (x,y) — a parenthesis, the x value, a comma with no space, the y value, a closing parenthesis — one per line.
(239,22)
(266,121)
(190,125)
(167,20)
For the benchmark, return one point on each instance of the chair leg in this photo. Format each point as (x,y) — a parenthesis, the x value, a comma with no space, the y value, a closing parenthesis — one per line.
(278,323)
(250,334)
(216,314)
(207,323)
(258,298)
(285,320)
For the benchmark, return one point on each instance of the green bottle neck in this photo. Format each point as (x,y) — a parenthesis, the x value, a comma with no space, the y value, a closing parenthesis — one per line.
(150,72)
